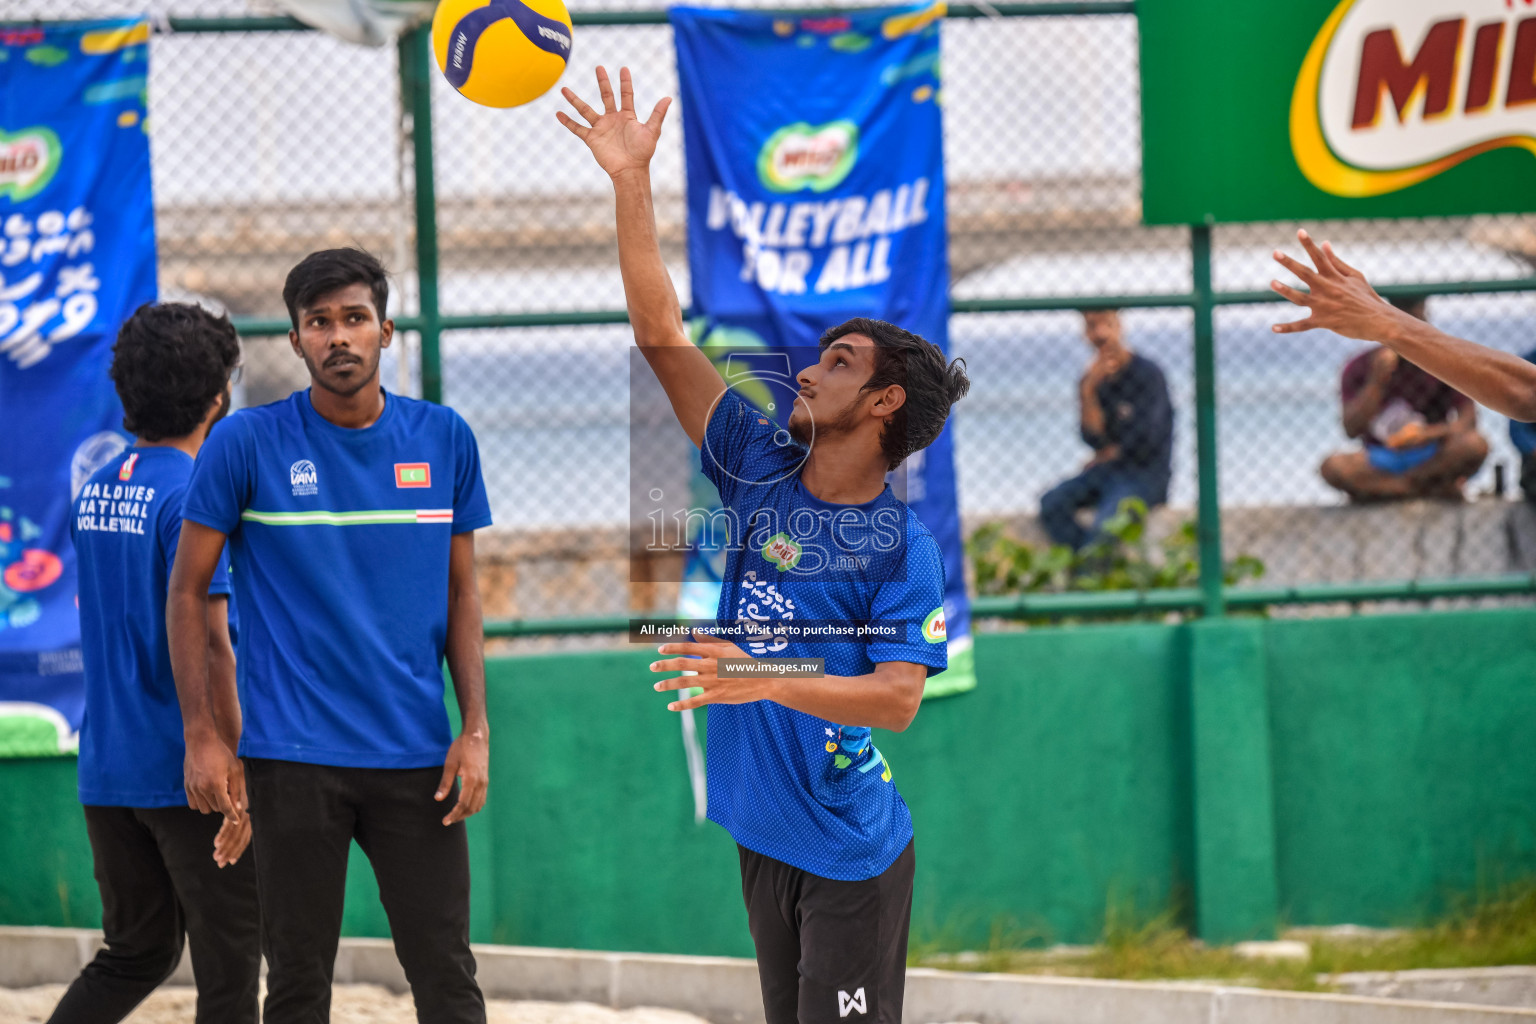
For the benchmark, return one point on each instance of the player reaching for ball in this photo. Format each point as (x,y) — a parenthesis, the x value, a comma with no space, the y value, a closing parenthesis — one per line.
(164,870)
(1340,299)
(825,840)
(350,515)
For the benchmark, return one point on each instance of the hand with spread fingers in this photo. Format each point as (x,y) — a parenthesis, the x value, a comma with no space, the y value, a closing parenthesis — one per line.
(619,140)
(1339,298)
(706,652)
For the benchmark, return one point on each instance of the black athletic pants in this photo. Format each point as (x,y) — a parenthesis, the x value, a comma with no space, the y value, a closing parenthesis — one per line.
(159,883)
(305,817)
(828,950)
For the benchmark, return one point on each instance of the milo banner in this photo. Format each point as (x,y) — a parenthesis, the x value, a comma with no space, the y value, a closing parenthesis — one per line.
(814,154)
(1322,108)
(77,255)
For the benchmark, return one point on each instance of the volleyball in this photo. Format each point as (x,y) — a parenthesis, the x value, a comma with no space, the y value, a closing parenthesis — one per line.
(502,53)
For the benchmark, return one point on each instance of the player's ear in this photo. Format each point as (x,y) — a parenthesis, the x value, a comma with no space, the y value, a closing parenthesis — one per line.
(386,333)
(891,398)
(293,342)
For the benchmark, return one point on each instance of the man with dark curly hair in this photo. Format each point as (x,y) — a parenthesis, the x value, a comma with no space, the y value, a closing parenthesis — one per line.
(836,592)
(164,870)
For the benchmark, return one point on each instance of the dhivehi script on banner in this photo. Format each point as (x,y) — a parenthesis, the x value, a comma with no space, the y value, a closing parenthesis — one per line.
(77,256)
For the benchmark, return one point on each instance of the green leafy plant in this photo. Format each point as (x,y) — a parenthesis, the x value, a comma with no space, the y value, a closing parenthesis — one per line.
(1124,558)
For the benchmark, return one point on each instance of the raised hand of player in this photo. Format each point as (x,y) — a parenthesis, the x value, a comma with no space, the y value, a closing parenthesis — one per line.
(1340,298)
(619,140)
(707,651)
(469,760)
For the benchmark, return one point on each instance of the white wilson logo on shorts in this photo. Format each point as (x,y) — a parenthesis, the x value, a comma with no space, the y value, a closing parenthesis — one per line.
(847,1004)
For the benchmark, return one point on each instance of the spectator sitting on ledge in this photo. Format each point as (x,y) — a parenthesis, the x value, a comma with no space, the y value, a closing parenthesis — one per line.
(1127,419)
(1419,434)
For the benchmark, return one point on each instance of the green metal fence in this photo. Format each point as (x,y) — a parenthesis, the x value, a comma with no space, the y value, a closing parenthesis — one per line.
(1203,274)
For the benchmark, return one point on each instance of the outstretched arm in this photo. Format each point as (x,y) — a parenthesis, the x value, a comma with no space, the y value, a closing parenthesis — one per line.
(623,146)
(887,698)
(1341,300)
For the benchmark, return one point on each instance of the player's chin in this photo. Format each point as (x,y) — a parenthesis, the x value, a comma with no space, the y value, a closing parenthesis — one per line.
(801,425)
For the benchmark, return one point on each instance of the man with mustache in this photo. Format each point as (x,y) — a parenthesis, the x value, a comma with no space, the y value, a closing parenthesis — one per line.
(818,539)
(350,515)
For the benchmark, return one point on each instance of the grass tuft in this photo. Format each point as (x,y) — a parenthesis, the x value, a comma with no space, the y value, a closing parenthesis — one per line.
(1493,929)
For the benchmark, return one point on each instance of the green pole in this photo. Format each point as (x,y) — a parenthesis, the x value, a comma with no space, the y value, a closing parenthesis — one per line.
(416,96)
(1213,602)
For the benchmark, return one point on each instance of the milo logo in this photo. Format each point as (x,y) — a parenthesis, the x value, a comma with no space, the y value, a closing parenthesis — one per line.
(28,161)
(782,551)
(935,631)
(1394,92)
(802,156)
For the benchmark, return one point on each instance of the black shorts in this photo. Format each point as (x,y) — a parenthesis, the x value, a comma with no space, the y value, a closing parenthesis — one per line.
(829,950)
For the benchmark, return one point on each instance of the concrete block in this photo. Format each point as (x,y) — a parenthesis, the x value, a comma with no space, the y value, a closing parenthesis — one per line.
(934,996)
(44,956)
(557,975)
(1487,986)
(370,962)
(723,990)
(1256,1006)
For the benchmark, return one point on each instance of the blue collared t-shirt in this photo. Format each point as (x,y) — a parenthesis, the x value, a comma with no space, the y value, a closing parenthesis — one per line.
(815,794)
(339,541)
(126,522)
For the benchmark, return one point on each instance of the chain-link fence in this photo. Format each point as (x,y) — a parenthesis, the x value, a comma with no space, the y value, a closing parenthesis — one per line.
(268,144)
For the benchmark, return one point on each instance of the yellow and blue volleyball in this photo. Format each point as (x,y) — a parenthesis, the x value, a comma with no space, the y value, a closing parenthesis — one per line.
(502,53)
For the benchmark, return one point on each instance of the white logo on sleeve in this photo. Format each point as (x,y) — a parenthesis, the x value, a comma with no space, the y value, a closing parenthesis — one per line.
(303,477)
(847,1004)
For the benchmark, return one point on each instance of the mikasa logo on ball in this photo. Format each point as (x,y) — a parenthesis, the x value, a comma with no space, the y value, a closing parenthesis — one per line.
(303,477)
(501,53)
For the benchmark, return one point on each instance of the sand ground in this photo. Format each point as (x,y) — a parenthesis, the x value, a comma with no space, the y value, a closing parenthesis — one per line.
(351,1004)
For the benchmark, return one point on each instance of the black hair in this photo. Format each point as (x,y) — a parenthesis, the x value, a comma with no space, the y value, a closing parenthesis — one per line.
(1413,304)
(919,368)
(1085,310)
(172,360)
(323,272)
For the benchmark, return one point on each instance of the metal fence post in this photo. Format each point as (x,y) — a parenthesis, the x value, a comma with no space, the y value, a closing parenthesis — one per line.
(1213,601)
(415,49)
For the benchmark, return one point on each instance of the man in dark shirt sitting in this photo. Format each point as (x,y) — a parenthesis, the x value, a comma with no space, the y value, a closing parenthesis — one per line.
(1127,419)
(1420,434)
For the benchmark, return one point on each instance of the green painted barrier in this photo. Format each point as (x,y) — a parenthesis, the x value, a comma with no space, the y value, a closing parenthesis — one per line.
(1252,772)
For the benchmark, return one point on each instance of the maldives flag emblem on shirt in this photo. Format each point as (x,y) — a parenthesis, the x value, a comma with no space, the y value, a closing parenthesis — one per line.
(413,474)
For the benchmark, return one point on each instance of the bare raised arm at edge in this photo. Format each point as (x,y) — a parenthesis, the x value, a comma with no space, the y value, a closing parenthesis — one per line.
(623,146)
(214,779)
(1341,300)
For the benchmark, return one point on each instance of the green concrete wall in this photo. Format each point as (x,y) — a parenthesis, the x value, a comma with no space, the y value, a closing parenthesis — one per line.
(1250,772)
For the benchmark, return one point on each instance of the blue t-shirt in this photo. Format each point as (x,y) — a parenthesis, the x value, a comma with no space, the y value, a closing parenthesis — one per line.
(126,522)
(339,541)
(812,793)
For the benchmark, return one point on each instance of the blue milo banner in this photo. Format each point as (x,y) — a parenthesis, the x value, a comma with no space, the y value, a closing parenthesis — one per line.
(77,256)
(814,150)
